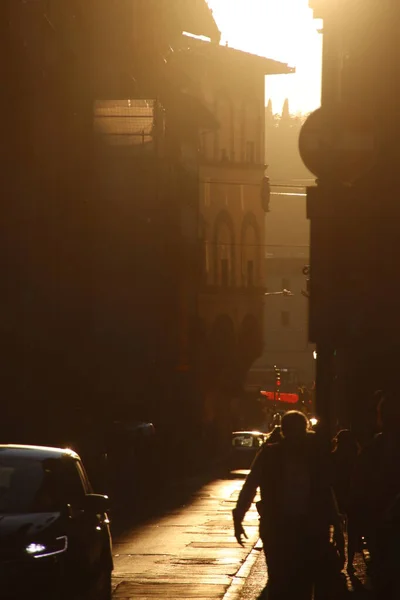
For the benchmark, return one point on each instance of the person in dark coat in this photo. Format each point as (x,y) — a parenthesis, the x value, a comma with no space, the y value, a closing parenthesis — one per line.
(343,464)
(376,494)
(297,510)
(275,436)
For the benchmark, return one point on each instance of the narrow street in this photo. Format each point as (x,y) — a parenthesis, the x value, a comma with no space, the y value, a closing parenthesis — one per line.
(190,552)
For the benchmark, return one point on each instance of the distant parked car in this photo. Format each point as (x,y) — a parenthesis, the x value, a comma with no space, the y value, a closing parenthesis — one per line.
(54,532)
(244,448)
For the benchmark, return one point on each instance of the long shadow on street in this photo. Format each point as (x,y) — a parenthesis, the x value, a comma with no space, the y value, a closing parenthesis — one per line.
(157,498)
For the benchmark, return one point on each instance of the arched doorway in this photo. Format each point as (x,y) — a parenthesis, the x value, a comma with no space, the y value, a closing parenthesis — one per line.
(223,381)
(222,346)
(250,342)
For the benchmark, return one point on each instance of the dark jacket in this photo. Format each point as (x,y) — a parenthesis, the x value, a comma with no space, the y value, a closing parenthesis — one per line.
(343,469)
(267,473)
(376,481)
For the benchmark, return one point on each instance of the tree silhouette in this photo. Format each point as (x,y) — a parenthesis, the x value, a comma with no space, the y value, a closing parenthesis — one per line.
(285,110)
(282,136)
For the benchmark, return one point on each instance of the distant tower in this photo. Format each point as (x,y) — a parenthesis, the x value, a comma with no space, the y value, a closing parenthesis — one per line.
(285,110)
(285,120)
(269,113)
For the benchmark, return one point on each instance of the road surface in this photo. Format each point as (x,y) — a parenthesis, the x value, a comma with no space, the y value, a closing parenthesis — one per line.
(190,552)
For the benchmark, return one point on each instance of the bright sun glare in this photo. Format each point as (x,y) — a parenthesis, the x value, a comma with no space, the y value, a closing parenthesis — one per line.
(283,30)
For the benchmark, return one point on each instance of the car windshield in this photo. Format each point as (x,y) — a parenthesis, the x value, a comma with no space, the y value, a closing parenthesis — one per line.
(30,485)
(247,440)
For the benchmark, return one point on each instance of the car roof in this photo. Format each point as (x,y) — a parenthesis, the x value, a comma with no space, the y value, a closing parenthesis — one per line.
(248,433)
(38,452)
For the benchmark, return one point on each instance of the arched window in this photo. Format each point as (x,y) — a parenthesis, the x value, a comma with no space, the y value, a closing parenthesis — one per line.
(204,251)
(224,268)
(250,251)
(224,255)
(224,136)
(251,134)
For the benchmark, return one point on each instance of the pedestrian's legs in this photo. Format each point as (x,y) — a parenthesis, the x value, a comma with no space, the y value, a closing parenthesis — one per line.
(275,575)
(288,577)
(352,543)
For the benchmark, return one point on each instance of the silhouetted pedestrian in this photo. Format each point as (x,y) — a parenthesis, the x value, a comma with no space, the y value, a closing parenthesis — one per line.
(376,493)
(275,436)
(323,437)
(297,510)
(343,463)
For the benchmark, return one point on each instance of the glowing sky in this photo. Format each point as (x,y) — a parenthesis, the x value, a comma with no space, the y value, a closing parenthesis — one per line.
(281,29)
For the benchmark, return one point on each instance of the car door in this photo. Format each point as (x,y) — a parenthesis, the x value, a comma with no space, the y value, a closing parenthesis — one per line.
(86,530)
(95,523)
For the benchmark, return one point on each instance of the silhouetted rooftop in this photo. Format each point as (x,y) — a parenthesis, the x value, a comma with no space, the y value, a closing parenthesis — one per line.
(268,66)
(198,19)
(319,7)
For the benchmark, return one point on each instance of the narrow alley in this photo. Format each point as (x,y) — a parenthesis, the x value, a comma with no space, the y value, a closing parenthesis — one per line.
(188,553)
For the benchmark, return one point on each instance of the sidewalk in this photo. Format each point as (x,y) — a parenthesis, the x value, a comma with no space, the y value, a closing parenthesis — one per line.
(149,501)
(189,552)
(355,587)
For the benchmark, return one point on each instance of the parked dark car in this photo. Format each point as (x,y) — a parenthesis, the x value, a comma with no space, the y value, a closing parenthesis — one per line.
(54,532)
(244,448)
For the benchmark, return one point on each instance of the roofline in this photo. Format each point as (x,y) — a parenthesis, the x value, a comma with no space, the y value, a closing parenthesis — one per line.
(318,8)
(199,19)
(269,66)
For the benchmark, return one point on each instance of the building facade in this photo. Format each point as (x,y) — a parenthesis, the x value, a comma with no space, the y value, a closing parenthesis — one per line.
(286,317)
(98,264)
(133,238)
(285,328)
(231,219)
(354,317)
(287,251)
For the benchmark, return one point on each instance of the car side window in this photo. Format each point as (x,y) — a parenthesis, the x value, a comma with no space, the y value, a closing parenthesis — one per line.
(83,477)
(72,484)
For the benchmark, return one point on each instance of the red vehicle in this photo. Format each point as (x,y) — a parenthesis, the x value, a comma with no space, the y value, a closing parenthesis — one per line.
(277,388)
(276,384)
(285,397)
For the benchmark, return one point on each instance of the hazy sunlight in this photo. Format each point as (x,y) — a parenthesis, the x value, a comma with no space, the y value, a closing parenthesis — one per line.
(279,29)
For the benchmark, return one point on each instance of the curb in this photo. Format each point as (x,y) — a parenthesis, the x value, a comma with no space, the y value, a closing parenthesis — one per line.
(234,590)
